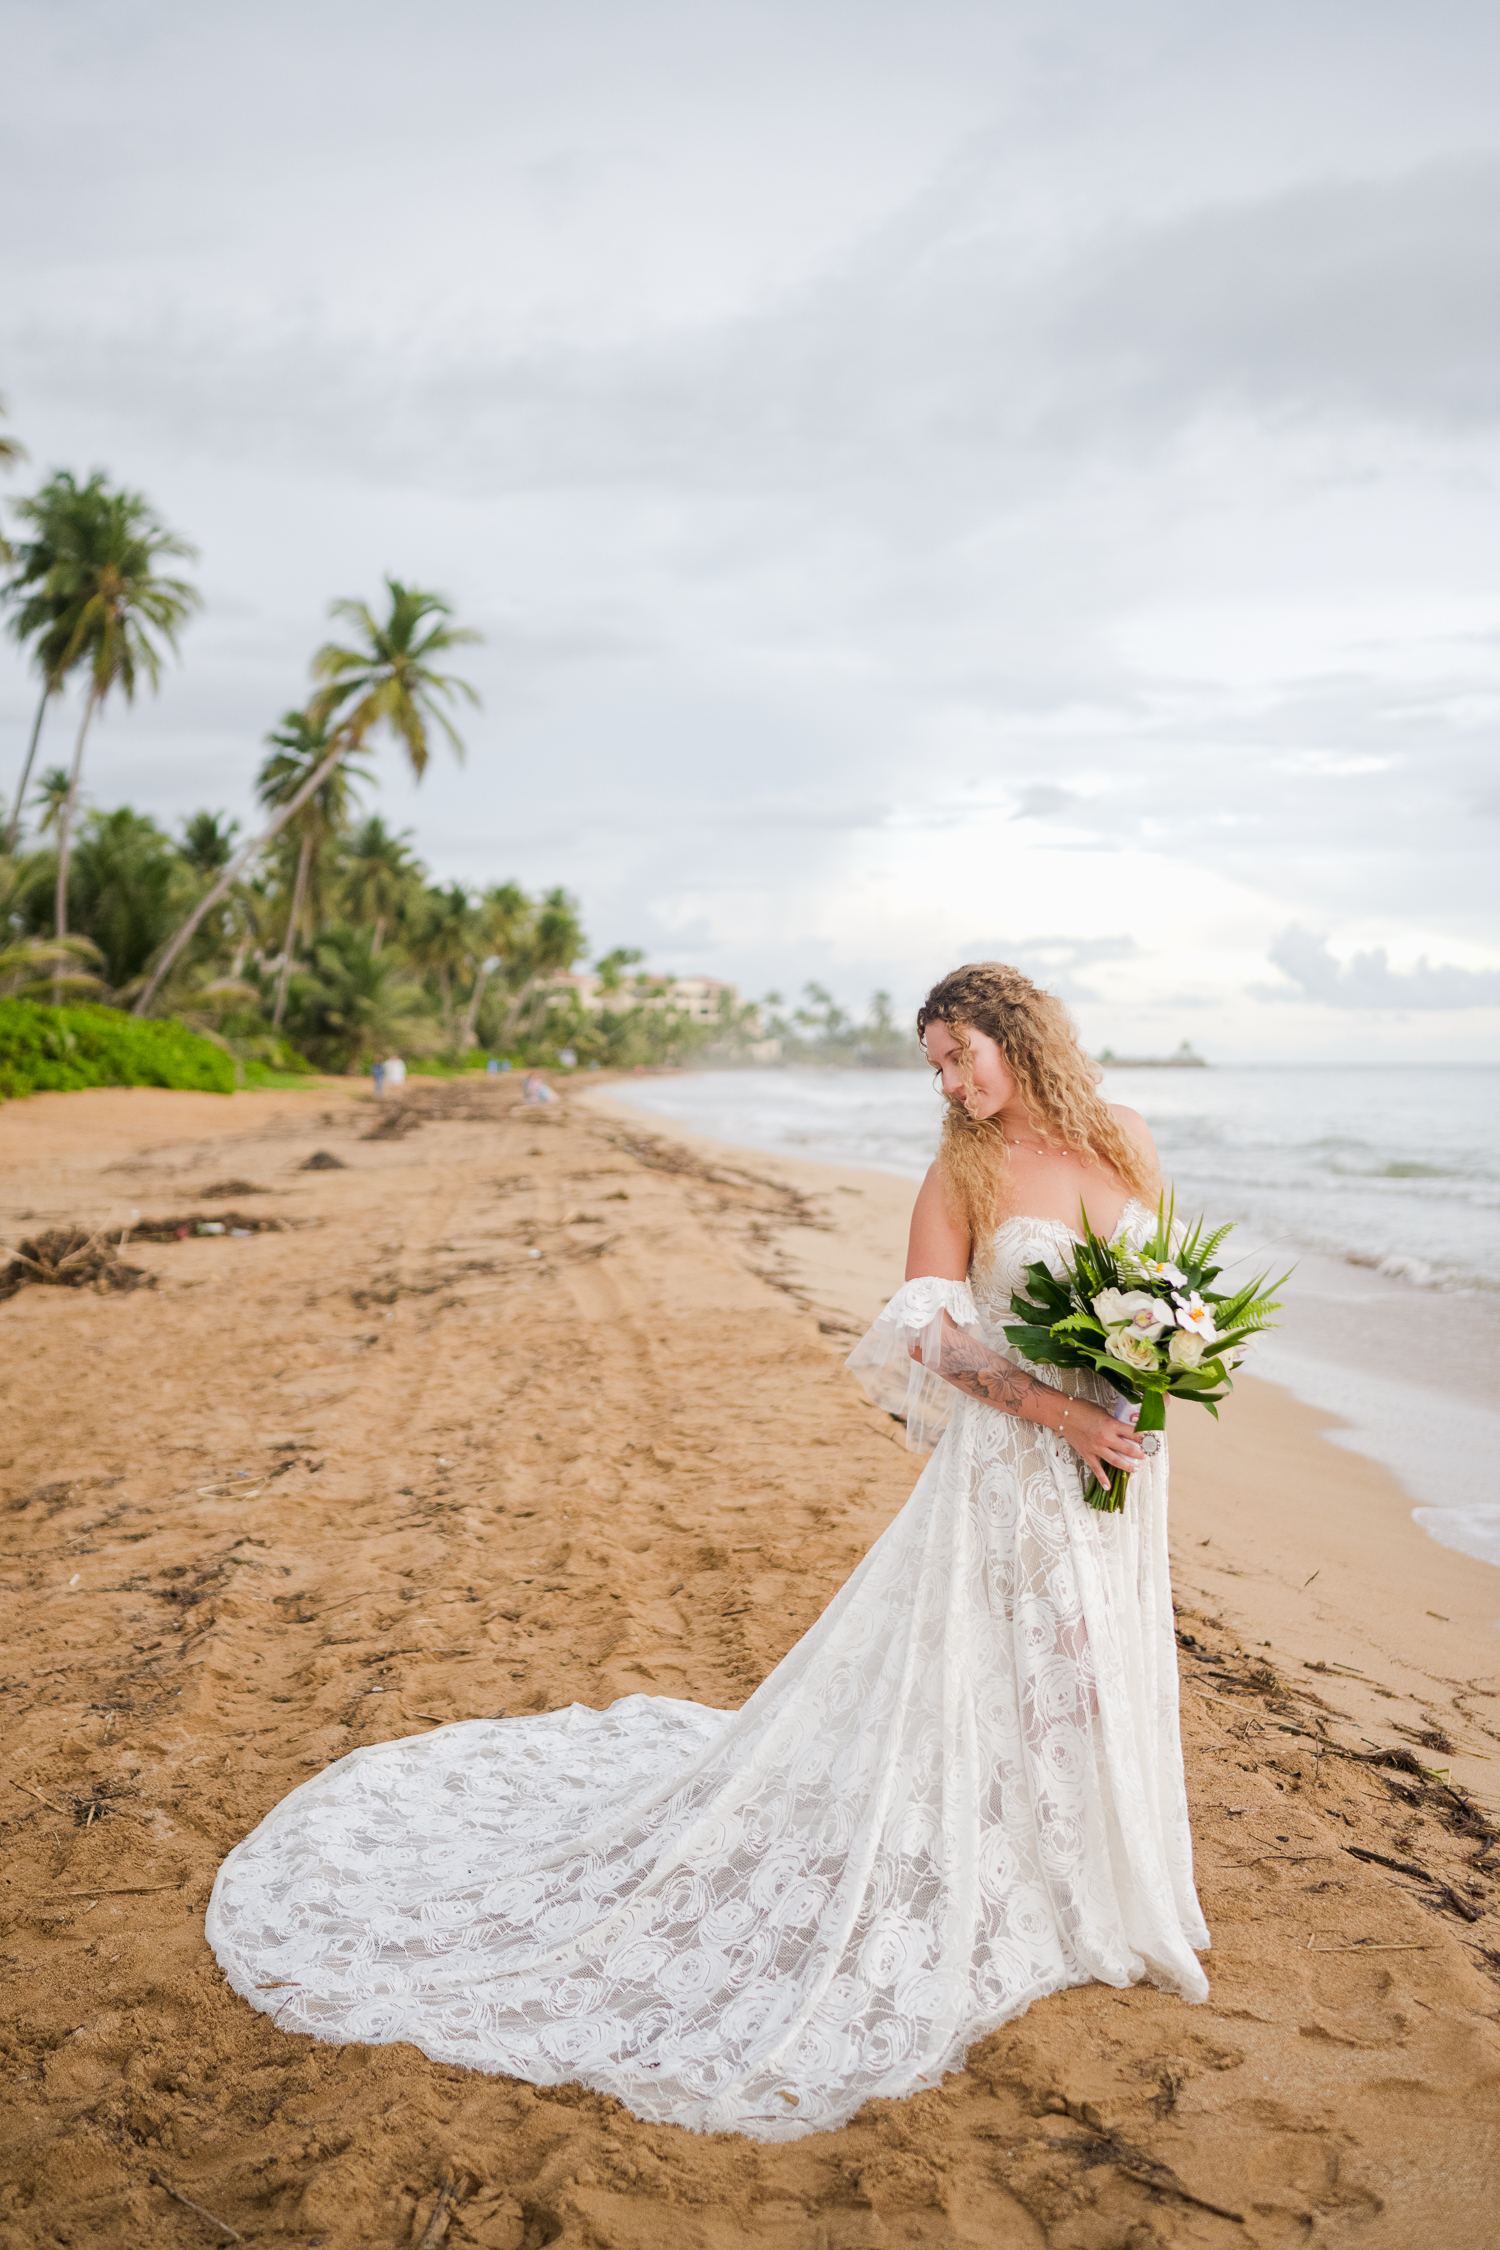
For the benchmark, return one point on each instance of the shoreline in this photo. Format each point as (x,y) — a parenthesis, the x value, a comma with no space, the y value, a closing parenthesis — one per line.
(1389,1360)
(1307,1545)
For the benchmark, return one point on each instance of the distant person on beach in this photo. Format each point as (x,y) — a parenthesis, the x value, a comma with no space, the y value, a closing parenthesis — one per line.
(377,1073)
(960,1792)
(395,1072)
(535,1091)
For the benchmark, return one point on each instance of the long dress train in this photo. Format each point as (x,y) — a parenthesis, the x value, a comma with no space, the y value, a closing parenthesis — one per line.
(961,1790)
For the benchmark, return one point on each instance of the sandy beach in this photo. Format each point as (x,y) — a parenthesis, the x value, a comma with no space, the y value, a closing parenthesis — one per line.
(515,1409)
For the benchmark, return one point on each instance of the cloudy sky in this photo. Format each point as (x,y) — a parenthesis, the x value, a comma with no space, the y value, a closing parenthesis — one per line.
(936,478)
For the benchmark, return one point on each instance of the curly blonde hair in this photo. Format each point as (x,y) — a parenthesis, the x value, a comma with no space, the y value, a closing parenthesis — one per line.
(1055,1078)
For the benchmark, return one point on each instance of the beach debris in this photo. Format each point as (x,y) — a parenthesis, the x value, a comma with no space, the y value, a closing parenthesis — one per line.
(226,2231)
(70,1258)
(450,2192)
(470,1099)
(1446,1893)
(221,1190)
(180,1229)
(322,1160)
(395,1124)
(1136,2163)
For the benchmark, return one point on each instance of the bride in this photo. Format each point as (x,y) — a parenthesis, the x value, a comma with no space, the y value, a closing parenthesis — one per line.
(961,1791)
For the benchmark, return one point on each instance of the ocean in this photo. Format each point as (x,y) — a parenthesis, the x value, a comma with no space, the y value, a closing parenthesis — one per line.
(1381,1183)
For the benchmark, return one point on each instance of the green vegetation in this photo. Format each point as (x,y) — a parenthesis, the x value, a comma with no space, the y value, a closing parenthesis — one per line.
(44,1049)
(821,1032)
(129,955)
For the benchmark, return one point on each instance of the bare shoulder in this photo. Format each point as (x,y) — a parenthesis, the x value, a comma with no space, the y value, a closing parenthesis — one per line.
(939,1241)
(1131,1122)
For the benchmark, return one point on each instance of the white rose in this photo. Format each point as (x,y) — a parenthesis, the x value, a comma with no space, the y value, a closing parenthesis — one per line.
(1134,1351)
(1135,1309)
(1196,1317)
(1185,1350)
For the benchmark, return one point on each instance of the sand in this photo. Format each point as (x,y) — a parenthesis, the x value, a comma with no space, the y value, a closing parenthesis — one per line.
(520,1409)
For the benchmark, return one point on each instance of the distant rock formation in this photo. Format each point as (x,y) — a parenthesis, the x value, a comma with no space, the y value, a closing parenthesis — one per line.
(1184,1059)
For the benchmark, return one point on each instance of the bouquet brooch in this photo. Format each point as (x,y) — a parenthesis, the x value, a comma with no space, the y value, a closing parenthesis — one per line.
(1149,1320)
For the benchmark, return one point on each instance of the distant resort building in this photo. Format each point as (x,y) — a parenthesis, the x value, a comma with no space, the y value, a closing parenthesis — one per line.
(705,999)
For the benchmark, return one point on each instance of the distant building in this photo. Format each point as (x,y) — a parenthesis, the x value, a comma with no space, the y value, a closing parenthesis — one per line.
(698,997)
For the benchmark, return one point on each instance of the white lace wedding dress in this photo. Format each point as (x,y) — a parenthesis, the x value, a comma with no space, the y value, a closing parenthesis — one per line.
(960,1791)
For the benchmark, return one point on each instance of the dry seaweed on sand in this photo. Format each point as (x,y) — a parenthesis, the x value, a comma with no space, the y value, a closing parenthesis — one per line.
(70,1258)
(223,1223)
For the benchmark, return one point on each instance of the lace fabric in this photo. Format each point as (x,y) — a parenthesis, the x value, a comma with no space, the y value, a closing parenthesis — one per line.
(905,1386)
(961,1790)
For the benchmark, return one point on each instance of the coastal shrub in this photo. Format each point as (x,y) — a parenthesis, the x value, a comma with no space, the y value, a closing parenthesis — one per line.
(55,1050)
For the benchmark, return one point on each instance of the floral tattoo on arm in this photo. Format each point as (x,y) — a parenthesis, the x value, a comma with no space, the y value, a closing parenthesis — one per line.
(972,1367)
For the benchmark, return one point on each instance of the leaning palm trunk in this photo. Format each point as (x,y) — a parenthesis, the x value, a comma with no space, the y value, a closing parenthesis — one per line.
(294,923)
(232,874)
(65,834)
(515,1009)
(469,1035)
(14,830)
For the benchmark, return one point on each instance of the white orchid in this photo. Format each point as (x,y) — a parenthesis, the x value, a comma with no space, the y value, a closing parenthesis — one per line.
(1158,1269)
(1196,1317)
(1135,1309)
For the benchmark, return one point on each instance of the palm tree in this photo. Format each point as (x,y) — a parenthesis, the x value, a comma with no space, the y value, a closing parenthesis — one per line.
(51,796)
(111,607)
(389,679)
(29,963)
(388,683)
(550,940)
(11,449)
(504,918)
(444,940)
(356,1004)
(299,748)
(64,518)
(208,842)
(380,874)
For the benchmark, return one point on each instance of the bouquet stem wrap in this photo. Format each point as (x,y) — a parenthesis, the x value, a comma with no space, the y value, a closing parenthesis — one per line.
(1109,1498)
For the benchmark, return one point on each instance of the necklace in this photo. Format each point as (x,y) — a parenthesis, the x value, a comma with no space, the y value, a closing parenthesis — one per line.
(1039,1146)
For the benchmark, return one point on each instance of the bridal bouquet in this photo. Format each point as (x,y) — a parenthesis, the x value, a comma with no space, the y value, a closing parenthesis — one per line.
(1149,1320)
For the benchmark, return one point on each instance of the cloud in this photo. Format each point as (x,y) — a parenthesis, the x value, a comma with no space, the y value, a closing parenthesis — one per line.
(933,350)
(1369,981)
(1376,296)
(1041,801)
(1053,962)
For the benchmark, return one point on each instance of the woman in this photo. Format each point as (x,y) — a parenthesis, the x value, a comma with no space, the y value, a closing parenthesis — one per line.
(960,1791)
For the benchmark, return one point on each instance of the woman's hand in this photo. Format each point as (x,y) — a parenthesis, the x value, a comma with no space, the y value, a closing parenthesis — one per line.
(1095,1436)
(1099,1440)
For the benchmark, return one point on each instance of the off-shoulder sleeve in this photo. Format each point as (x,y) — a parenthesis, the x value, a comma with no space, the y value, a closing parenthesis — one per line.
(883,1364)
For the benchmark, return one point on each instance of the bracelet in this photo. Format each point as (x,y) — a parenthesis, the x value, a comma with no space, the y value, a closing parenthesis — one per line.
(1067,1410)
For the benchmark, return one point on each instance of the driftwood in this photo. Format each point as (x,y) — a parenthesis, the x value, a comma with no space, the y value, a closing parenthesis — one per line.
(1445,1891)
(229,2233)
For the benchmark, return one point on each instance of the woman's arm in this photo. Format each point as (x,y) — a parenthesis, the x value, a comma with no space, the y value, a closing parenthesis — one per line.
(985,1374)
(939,1245)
